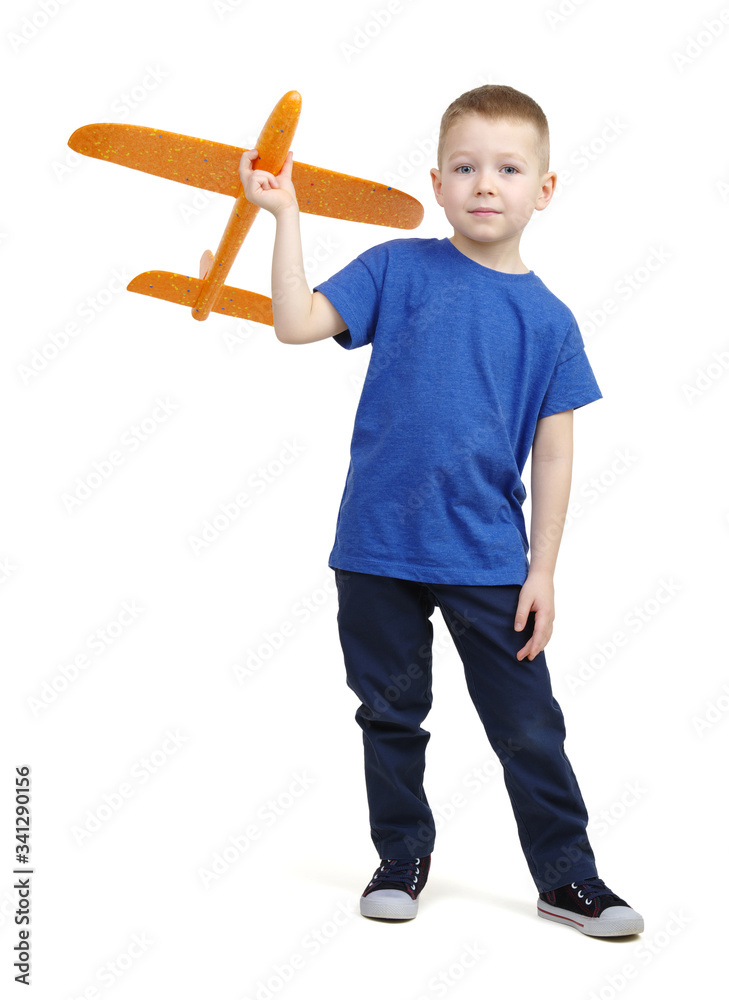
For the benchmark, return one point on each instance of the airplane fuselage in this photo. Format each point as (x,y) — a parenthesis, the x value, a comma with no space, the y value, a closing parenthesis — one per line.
(273,146)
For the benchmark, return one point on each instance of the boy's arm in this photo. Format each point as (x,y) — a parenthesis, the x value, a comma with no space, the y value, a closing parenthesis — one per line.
(551,483)
(299,317)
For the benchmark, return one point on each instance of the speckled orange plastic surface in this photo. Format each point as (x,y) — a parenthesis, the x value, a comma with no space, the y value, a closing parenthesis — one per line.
(209,165)
(185,290)
(214,167)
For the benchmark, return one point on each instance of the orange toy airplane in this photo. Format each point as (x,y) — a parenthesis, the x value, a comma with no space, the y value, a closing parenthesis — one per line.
(214,166)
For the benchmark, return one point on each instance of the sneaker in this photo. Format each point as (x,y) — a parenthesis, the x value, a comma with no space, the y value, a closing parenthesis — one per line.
(393,892)
(590,907)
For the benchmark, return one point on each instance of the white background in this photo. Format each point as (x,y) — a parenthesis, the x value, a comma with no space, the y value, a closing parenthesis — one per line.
(639,145)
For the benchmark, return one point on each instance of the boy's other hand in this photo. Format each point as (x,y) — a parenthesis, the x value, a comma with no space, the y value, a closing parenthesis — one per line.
(274,193)
(537,594)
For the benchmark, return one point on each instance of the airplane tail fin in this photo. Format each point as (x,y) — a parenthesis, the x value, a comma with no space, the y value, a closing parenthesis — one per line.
(206,262)
(185,290)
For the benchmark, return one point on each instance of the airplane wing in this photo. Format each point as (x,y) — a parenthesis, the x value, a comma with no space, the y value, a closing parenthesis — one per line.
(185,290)
(340,196)
(213,166)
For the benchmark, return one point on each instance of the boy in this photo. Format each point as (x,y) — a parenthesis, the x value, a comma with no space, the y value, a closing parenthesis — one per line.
(474,362)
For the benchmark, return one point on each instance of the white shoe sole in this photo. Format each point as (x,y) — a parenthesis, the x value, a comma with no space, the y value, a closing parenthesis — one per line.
(388,904)
(615,921)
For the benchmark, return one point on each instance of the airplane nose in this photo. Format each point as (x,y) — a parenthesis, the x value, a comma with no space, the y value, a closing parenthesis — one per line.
(278,133)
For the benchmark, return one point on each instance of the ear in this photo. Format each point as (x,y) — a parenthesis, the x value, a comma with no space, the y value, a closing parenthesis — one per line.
(549,181)
(437,185)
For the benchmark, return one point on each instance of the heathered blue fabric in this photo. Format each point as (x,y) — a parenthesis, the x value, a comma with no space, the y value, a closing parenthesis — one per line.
(464,361)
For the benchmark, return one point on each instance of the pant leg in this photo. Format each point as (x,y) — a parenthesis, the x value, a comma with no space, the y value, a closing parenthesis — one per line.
(525,726)
(387,637)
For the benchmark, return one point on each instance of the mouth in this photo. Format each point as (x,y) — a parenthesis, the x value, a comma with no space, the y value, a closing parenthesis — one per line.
(484,211)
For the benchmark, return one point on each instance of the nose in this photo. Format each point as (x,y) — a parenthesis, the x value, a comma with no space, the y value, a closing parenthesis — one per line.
(485,183)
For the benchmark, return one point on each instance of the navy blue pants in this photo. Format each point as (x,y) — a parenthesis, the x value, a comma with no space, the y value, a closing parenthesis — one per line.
(386,636)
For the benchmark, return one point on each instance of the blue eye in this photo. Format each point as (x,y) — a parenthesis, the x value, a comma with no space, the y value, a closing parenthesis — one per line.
(466,166)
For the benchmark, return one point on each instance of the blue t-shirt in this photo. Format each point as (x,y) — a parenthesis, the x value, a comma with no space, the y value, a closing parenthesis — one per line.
(464,361)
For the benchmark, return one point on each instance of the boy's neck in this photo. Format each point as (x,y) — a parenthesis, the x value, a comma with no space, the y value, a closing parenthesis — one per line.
(497,256)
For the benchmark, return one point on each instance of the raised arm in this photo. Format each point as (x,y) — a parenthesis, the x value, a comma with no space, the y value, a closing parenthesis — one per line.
(299,316)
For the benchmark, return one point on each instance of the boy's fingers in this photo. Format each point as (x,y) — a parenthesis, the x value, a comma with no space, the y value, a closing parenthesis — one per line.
(537,644)
(522,613)
(285,170)
(524,651)
(529,651)
(541,634)
(244,165)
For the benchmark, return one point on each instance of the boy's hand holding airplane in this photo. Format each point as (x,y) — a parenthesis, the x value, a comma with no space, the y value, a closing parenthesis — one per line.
(274,193)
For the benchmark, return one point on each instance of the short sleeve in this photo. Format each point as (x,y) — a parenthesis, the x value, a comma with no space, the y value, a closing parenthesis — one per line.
(355,294)
(573,383)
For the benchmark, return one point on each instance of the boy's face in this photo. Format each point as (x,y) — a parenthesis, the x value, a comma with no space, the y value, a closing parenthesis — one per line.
(490,182)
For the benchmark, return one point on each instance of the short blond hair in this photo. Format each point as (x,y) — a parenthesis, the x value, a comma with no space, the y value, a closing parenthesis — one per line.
(497,101)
